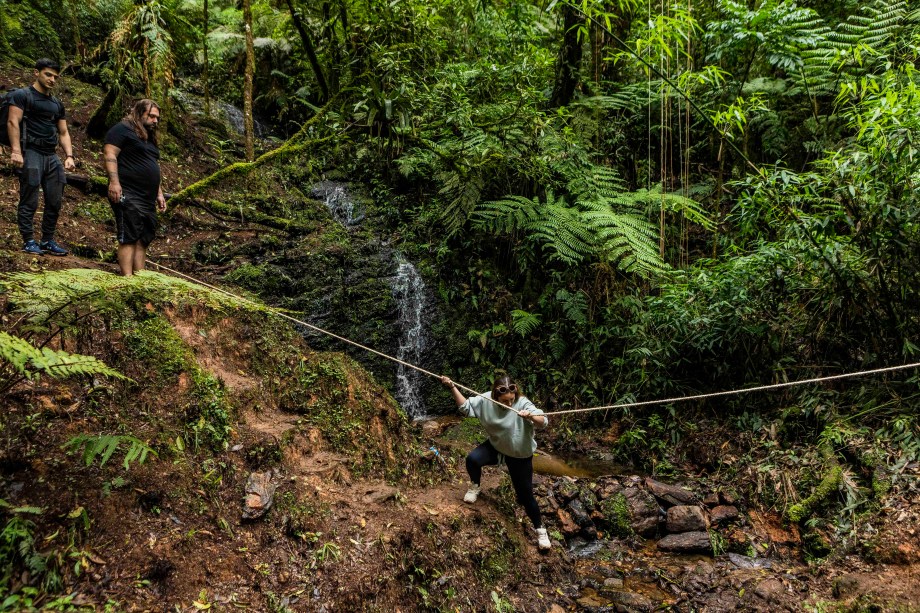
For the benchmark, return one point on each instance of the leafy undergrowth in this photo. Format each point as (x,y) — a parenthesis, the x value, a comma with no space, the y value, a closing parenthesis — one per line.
(127,492)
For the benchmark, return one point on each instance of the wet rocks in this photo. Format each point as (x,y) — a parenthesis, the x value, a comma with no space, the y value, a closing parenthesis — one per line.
(723,514)
(686,542)
(644,511)
(627,506)
(686,519)
(670,494)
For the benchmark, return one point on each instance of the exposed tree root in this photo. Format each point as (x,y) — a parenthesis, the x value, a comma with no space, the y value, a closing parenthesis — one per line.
(830,484)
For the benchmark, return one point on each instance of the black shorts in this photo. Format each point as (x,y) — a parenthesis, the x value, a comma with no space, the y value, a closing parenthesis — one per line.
(135,220)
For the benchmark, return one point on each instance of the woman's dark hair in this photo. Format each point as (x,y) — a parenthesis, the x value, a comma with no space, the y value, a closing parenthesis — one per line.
(508,383)
(135,119)
(47,63)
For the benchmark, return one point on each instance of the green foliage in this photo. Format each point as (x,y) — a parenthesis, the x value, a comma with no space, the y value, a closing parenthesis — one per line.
(23,360)
(158,344)
(103,446)
(210,413)
(29,33)
(594,230)
(48,296)
(524,323)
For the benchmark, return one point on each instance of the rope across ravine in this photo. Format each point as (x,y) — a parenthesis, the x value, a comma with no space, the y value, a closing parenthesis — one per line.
(623,405)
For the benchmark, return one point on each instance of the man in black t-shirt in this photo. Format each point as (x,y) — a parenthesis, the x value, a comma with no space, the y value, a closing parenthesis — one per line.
(132,163)
(41,116)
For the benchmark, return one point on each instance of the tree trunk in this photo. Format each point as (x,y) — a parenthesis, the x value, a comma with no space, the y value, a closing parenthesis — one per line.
(204,73)
(311,51)
(247,87)
(569,63)
(99,124)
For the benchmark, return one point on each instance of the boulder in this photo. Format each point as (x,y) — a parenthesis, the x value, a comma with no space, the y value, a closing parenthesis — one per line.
(432,428)
(579,514)
(260,491)
(608,488)
(686,542)
(670,494)
(723,514)
(569,528)
(566,490)
(615,516)
(685,518)
(644,511)
(588,499)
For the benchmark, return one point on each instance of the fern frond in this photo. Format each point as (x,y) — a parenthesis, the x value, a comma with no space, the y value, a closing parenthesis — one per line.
(103,446)
(561,229)
(28,361)
(557,346)
(627,240)
(462,191)
(574,305)
(596,182)
(524,323)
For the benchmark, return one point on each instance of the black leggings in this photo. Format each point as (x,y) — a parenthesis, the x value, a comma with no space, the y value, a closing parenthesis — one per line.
(521,471)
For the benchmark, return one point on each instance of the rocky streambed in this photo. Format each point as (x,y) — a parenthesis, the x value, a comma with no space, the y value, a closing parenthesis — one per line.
(640,544)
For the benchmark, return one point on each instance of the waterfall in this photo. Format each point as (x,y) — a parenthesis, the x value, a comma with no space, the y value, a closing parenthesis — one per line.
(234,117)
(339,203)
(409,292)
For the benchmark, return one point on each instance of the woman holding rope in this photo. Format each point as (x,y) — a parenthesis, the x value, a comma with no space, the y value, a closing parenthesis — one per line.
(510,441)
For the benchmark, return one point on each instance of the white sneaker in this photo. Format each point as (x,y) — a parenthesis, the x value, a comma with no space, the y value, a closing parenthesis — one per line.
(472,494)
(543,542)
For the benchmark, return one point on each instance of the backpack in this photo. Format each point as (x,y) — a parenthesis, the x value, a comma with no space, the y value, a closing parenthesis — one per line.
(5,101)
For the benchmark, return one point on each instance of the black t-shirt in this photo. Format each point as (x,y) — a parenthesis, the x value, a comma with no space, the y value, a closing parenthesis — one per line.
(41,119)
(138,162)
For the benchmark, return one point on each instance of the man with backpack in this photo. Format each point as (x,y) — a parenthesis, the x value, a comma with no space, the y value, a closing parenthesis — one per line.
(35,125)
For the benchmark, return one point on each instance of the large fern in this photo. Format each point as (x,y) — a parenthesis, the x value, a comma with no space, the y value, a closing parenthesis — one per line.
(881,32)
(607,225)
(21,360)
(625,239)
(553,224)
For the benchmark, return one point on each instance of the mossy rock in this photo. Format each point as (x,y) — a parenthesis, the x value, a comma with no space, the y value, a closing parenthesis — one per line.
(617,516)
(29,33)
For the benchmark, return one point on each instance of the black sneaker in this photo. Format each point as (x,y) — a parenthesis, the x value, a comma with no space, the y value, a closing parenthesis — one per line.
(32,246)
(53,248)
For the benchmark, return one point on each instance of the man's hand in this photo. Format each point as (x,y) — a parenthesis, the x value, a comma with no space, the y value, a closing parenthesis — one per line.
(16,159)
(114,193)
(161,203)
(69,163)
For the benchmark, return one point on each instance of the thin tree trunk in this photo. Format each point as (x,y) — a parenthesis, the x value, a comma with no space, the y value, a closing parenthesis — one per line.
(569,62)
(310,49)
(247,86)
(204,73)
(75,24)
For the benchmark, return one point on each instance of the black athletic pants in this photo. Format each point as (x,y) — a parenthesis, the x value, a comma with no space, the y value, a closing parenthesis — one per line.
(45,172)
(521,471)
